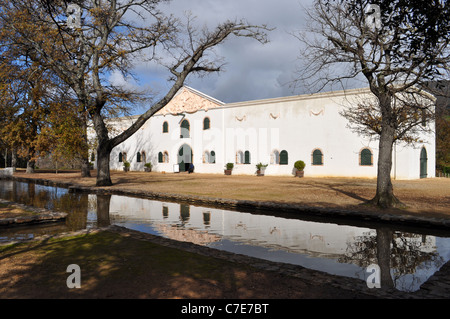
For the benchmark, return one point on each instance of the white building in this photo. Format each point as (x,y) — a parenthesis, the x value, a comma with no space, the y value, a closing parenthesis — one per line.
(195,128)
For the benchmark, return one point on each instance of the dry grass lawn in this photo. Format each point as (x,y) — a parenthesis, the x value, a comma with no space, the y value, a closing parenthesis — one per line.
(426,196)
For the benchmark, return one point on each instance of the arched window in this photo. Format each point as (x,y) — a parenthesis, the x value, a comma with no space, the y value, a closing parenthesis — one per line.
(166,157)
(247,157)
(144,157)
(206,123)
(138,157)
(206,157)
(160,157)
(120,157)
(365,157)
(239,157)
(212,157)
(92,157)
(184,129)
(275,157)
(317,157)
(124,156)
(165,127)
(284,158)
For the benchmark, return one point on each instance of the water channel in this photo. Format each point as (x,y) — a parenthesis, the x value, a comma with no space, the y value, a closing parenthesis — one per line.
(408,257)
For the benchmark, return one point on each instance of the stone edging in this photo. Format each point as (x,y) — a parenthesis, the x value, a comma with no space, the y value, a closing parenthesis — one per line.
(42,216)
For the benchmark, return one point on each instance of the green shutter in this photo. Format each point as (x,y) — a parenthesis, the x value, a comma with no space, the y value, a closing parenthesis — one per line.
(366,157)
(213,157)
(317,157)
(120,158)
(160,157)
(184,129)
(423,163)
(206,123)
(247,157)
(166,127)
(138,157)
(284,158)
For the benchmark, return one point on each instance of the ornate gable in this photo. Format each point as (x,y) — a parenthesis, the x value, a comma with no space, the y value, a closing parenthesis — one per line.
(188,100)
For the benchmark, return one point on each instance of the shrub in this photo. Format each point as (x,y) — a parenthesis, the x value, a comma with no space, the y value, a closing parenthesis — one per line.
(149,165)
(300,165)
(229,166)
(260,165)
(126,164)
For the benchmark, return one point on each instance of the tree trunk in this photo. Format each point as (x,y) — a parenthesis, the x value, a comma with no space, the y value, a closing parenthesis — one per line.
(85,167)
(384,240)
(14,159)
(30,166)
(103,173)
(384,197)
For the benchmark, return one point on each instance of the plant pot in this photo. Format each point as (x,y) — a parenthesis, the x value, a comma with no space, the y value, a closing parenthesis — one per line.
(259,173)
(299,173)
(147,169)
(126,169)
(228,171)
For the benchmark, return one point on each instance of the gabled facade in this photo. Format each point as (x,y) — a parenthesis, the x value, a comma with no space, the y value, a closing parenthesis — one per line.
(195,128)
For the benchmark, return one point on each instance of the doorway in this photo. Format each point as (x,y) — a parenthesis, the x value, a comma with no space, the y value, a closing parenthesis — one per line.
(185,157)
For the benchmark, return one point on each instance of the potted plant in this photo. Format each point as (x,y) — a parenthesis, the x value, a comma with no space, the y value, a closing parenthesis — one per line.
(229,168)
(148,167)
(126,166)
(260,168)
(299,165)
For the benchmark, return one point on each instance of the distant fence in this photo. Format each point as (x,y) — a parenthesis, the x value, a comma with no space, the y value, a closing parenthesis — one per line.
(444,175)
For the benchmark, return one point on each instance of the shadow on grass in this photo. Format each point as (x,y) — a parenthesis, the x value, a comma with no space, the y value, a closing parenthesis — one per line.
(114,266)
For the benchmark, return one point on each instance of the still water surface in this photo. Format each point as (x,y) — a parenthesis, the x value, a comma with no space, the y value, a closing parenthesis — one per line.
(411,257)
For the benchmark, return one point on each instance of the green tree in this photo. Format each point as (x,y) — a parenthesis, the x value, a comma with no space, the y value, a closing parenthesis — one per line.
(108,37)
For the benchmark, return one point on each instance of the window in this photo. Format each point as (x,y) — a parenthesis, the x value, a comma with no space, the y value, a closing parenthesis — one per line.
(144,157)
(206,123)
(166,157)
(92,157)
(239,157)
(206,157)
(275,157)
(365,157)
(138,157)
(209,157)
(247,157)
(317,157)
(160,157)
(165,127)
(184,129)
(120,157)
(284,158)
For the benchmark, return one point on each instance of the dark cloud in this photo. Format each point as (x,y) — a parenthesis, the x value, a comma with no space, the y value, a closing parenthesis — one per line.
(252,71)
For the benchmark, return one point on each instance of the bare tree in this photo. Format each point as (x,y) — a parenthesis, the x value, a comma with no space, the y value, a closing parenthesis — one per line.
(354,39)
(101,37)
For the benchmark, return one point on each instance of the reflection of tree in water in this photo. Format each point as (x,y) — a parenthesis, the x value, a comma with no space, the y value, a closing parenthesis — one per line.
(403,253)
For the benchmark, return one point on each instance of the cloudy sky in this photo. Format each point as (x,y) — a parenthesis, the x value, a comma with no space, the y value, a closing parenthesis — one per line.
(253,70)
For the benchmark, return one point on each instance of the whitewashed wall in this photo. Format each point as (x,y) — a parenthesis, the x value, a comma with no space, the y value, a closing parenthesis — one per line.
(297,124)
